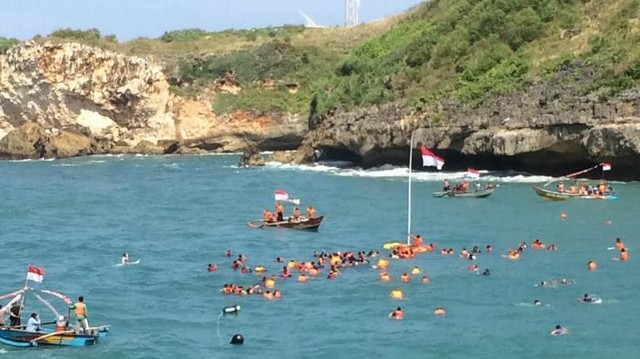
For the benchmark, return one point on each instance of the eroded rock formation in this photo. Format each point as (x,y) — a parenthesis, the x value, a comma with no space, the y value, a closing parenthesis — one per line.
(121,104)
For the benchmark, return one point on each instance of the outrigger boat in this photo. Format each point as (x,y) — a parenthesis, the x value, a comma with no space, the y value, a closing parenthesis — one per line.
(61,335)
(603,193)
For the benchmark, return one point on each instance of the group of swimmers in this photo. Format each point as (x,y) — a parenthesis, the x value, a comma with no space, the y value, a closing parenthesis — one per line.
(335,261)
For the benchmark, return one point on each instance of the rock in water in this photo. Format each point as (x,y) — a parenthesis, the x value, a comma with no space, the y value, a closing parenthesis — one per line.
(251,157)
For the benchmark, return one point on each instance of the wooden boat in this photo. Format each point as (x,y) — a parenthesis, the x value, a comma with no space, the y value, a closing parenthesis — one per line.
(482,193)
(309,224)
(556,195)
(23,339)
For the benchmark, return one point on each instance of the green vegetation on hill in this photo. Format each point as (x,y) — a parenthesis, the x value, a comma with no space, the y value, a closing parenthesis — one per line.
(468,49)
(6,43)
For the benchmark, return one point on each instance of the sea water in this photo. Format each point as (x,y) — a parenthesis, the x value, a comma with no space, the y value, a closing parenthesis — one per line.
(76,217)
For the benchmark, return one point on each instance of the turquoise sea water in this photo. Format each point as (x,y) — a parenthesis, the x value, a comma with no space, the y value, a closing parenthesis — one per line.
(76,217)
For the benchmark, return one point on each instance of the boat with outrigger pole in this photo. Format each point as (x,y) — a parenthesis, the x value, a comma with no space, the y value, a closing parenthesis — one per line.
(59,335)
(311,222)
(580,188)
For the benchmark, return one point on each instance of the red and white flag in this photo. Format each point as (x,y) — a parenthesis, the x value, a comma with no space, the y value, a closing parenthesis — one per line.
(473,173)
(606,166)
(35,274)
(281,195)
(431,159)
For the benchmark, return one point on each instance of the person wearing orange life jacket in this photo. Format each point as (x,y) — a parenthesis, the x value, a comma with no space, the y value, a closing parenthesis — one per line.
(311,212)
(80,310)
(417,240)
(267,216)
(61,324)
(279,211)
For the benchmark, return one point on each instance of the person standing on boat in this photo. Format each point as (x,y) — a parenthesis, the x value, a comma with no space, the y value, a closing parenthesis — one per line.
(279,212)
(14,315)
(80,309)
(446,187)
(33,324)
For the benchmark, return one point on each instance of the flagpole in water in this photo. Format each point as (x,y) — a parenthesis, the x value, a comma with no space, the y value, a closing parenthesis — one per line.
(409,194)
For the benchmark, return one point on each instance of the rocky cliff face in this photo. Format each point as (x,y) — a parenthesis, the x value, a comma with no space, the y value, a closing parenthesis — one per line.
(115,102)
(550,128)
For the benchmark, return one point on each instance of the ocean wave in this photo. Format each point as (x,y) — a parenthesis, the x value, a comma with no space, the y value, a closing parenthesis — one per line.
(401,173)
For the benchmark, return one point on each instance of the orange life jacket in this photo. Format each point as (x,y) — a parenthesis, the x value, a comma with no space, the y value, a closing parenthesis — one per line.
(311,213)
(80,309)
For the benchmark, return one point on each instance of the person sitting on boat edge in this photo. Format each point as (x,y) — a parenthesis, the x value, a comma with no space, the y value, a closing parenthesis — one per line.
(267,216)
(33,324)
(311,212)
(296,214)
(561,187)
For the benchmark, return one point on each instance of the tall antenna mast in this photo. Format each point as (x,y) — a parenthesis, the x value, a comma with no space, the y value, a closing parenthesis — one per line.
(351,13)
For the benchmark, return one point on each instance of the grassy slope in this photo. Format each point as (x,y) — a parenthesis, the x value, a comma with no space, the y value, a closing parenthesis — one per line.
(469,49)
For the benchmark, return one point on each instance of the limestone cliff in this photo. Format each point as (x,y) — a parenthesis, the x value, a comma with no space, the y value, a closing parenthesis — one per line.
(115,102)
(551,127)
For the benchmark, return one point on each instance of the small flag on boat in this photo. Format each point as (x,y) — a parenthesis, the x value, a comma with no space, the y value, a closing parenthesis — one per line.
(430,159)
(472,172)
(283,196)
(35,274)
(606,166)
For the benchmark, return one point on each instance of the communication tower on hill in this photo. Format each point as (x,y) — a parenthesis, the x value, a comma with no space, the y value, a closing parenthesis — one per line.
(351,12)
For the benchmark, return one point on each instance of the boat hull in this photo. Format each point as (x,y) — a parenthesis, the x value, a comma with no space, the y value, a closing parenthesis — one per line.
(23,338)
(307,224)
(483,193)
(558,196)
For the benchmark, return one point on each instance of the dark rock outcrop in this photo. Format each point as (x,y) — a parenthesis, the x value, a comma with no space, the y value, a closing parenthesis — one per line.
(251,157)
(547,128)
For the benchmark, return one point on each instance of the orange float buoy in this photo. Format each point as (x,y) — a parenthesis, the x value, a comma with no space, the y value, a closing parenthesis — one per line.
(396,294)
(592,265)
(383,264)
(270,282)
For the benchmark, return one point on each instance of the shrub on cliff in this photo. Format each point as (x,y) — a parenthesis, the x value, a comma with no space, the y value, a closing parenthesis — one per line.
(7,43)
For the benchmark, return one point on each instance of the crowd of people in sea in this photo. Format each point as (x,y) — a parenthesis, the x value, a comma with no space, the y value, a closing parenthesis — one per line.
(337,263)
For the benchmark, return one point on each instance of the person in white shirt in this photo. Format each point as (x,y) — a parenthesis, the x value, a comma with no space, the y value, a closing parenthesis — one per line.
(125,259)
(33,324)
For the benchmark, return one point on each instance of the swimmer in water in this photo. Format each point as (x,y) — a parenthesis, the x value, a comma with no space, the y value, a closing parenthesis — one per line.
(559,330)
(537,303)
(397,314)
(486,272)
(586,298)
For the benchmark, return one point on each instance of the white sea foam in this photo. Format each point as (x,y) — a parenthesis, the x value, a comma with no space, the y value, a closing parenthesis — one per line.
(401,173)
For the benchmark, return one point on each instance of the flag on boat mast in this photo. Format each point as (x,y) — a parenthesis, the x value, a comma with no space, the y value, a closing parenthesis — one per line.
(281,195)
(606,166)
(473,173)
(35,274)
(430,159)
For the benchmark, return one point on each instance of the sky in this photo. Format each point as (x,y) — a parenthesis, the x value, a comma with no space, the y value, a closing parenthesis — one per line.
(130,19)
